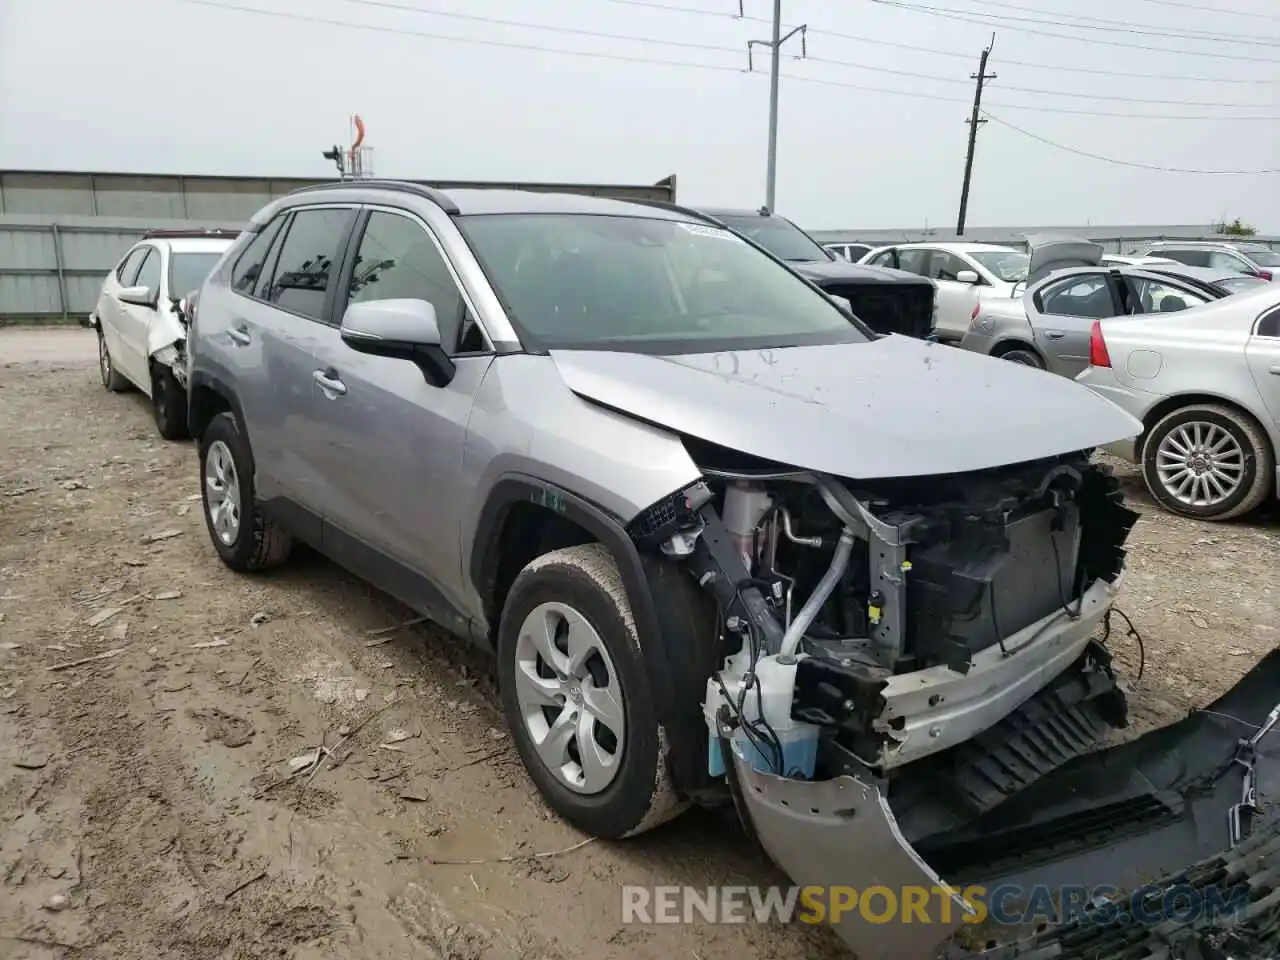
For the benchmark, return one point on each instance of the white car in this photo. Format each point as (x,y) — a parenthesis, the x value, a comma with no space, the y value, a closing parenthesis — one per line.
(963,272)
(141,319)
(1205,382)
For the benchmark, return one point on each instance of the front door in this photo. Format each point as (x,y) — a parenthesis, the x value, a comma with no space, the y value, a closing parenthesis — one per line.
(956,299)
(134,320)
(391,456)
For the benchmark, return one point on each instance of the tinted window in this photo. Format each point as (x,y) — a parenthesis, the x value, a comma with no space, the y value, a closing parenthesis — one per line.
(249,266)
(645,284)
(187,271)
(398,259)
(306,261)
(779,236)
(1078,297)
(914,261)
(128,268)
(1195,258)
(1159,297)
(149,274)
(1269,326)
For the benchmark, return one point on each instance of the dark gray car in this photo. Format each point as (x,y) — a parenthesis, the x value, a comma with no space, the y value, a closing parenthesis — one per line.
(886,300)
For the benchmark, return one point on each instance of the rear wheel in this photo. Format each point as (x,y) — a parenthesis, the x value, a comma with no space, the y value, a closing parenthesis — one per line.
(245,540)
(168,403)
(112,380)
(1023,355)
(576,695)
(1208,461)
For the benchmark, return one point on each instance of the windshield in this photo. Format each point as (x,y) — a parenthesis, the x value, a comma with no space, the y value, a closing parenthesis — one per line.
(1009,265)
(187,271)
(1236,284)
(779,236)
(646,285)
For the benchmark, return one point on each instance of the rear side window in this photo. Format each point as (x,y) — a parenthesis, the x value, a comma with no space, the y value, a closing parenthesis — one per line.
(128,268)
(306,261)
(1078,297)
(1194,258)
(249,267)
(1269,325)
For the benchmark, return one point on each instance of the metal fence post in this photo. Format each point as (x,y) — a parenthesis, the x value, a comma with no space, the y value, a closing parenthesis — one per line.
(62,277)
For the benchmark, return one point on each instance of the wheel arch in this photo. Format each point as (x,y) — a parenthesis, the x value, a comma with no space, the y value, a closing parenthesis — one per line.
(208,396)
(1005,344)
(1171,404)
(520,504)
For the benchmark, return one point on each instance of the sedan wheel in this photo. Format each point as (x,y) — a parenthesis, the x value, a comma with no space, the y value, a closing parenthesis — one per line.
(112,380)
(1023,356)
(222,493)
(1210,462)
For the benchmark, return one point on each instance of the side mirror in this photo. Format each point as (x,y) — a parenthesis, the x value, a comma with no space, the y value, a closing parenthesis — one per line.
(967,276)
(138,296)
(402,330)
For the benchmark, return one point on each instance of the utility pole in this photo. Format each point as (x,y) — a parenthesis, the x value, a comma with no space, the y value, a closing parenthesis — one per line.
(775,51)
(981,77)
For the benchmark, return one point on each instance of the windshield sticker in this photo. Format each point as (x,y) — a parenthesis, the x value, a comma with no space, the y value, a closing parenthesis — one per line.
(715,233)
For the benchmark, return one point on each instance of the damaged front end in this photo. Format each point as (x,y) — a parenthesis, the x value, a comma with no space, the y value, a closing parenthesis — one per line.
(913,692)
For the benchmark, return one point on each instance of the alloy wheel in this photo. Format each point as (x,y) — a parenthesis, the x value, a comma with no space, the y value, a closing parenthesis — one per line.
(1200,464)
(222,492)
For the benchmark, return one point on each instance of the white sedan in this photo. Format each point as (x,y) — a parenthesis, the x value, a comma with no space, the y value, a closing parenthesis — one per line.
(1205,382)
(141,323)
(964,273)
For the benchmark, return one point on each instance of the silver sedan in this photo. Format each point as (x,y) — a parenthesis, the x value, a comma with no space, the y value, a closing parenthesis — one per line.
(1206,385)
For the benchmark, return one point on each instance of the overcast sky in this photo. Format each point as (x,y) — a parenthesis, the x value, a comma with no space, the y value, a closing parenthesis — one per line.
(177,86)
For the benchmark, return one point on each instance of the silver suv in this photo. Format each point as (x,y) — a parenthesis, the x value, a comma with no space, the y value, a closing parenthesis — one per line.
(716,531)
(1250,259)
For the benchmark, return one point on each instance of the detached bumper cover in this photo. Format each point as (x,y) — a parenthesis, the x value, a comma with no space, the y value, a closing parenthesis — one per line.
(1113,819)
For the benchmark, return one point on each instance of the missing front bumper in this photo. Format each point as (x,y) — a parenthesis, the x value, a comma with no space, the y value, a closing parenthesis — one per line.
(1114,819)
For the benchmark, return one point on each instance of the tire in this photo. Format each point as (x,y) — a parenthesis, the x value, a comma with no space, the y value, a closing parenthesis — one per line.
(1244,458)
(111,378)
(1023,355)
(634,792)
(168,404)
(252,543)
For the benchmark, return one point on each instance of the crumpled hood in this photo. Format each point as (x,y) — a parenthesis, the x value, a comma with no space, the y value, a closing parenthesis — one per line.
(893,407)
(822,272)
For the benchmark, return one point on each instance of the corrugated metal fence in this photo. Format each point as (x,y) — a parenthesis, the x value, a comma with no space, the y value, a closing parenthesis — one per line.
(54,270)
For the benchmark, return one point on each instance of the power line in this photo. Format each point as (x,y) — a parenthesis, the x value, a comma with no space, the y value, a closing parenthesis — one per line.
(1126,163)
(852,38)
(1199,8)
(694,65)
(991,20)
(715,48)
(1124,26)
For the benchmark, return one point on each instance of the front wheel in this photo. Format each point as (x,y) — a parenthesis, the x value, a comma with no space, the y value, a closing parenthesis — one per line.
(1209,462)
(168,404)
(576,695)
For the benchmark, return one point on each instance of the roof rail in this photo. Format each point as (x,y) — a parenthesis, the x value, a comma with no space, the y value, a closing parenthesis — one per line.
(192,233)
(438,197)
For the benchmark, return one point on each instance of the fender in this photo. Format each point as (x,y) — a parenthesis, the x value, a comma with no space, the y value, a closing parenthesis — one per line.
(197,414)
(669,684)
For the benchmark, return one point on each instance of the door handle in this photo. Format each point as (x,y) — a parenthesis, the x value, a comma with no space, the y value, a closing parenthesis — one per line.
(1055,334)
(240,335)
(331,385)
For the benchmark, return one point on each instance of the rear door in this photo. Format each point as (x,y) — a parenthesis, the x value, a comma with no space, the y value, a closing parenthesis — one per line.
(285,294)
(1062,312)
(1263,355)
(1150,294)
(391,455)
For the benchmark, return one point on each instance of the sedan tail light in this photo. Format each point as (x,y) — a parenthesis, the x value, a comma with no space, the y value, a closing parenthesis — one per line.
(973,314)
(1265,275)
(1098,355)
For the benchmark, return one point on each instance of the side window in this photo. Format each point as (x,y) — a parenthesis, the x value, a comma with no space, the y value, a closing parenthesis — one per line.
(883,259)
(1269,325)
(249,266)
(306,261)
(397,259)
(149,272)
(128,268)
(1193,258)
(946,266)
(1227,261)
(1078,297)
(1159,297)
(914,261)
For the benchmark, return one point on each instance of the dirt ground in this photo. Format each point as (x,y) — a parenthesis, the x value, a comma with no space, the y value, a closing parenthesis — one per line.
(147,806)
